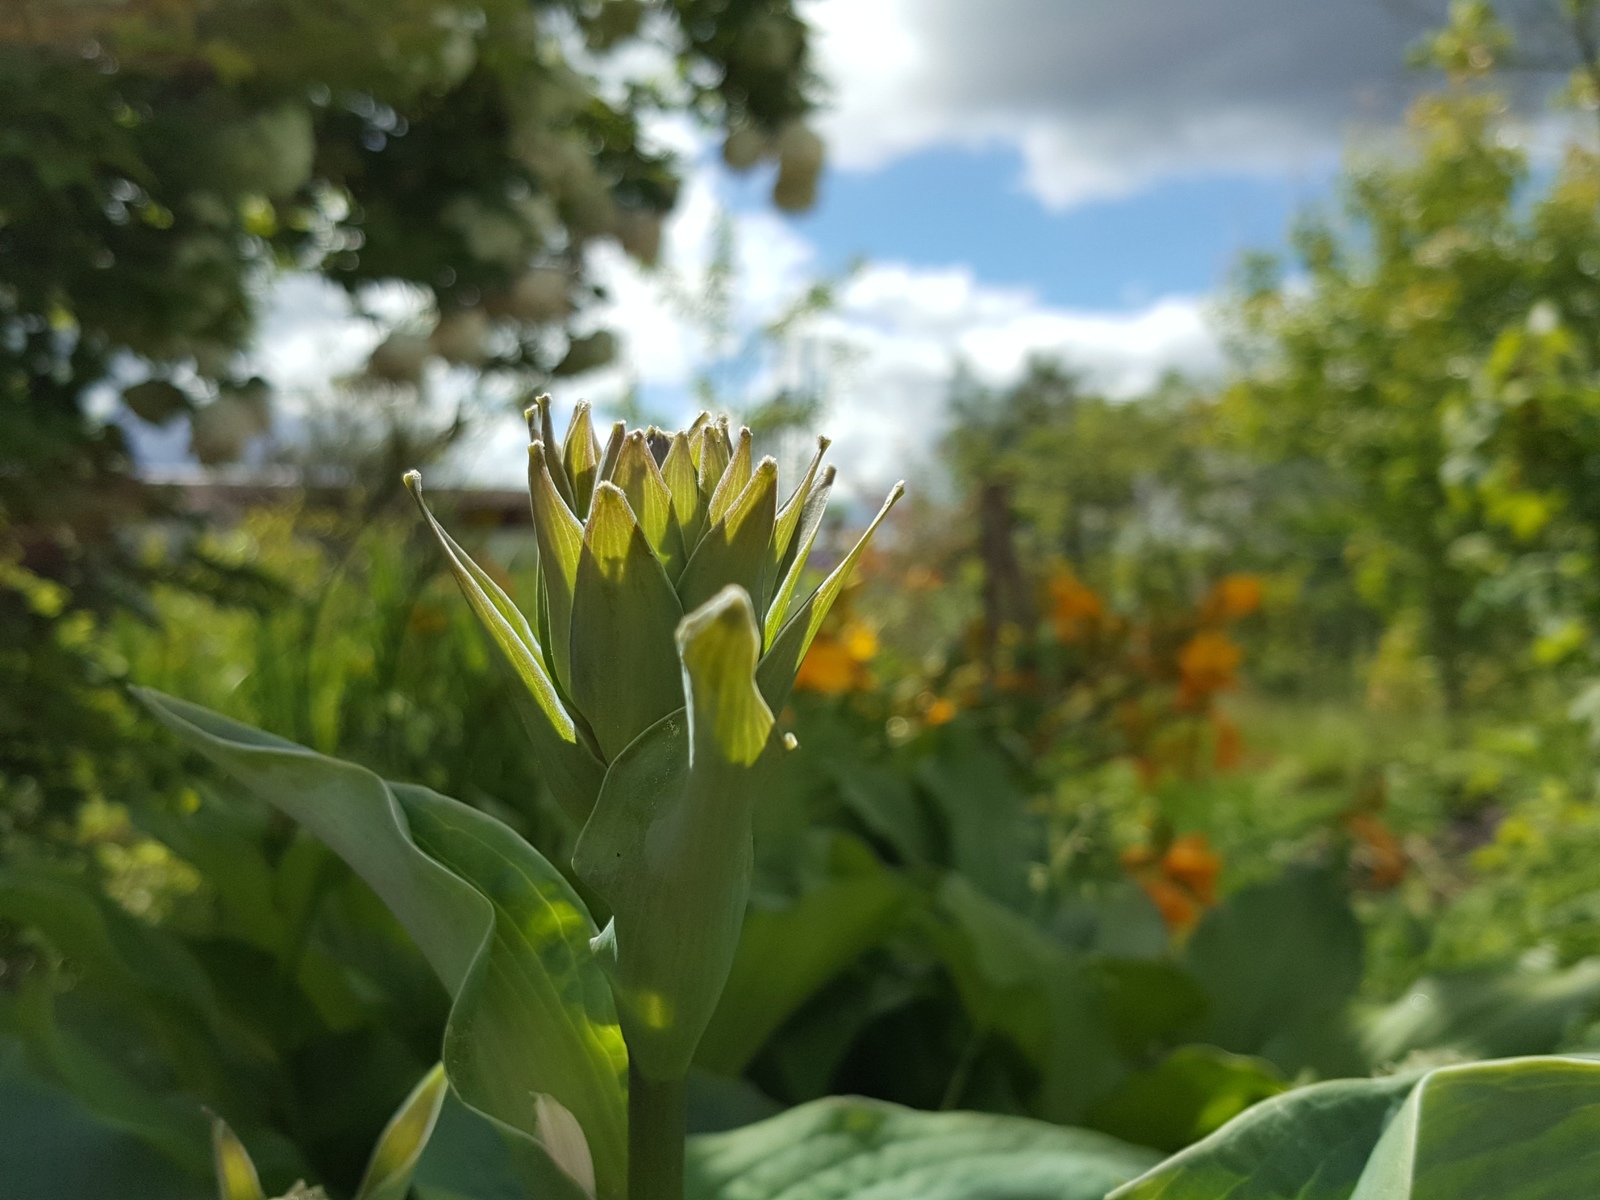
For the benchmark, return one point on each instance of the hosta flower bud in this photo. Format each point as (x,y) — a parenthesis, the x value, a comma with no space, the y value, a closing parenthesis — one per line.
(667,629)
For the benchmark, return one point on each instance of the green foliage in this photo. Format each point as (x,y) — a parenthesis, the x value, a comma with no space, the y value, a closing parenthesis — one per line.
(1502,1129)
(855,1147)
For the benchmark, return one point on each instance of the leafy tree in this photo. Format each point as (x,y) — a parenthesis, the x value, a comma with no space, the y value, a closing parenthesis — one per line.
(161,162)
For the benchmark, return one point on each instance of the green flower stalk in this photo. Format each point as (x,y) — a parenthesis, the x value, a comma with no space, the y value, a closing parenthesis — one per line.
(666,629)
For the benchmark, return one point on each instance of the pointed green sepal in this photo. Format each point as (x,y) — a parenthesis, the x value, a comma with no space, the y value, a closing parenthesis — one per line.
(625,611)
(688,505)
(570,765)
(236,1174)
(669,847)
(735,478)
(608,460)
(651,500)
(789,515)
(720,645)
(560,537)
(711,462)
(734,550)
(793,563)
(541,428)
(400,1145)
(580,455)
(778,668)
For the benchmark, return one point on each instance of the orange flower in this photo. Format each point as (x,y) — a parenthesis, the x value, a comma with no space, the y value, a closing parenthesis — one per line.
(1181,882)
(836,662)
(1073,606)
(1179,910)
(1228,751)
(1377,849)
(1207,663)
(940,712)
(1190,861)
(1234,596)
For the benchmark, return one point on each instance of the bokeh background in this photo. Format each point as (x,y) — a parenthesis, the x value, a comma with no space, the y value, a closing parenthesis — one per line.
(1218,713)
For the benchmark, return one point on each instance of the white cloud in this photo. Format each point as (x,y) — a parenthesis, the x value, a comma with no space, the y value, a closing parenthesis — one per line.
(1102,98)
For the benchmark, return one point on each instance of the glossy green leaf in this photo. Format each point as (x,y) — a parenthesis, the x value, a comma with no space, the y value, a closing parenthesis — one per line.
(1311,1143)
(735,478)
(562,748)
(560,538)
(625,673)
(1484,1013)
(846,1148)
(993,830)
(1515,1129)
(651,500)
(400,1145)
(734,549)
(1510,1129)
(506,934)
(1280,961)
(669,845)
(1192,1092)
(580,456)
(53,1148)
(236,1174)
(786,955)
(1017,982)
(788,649)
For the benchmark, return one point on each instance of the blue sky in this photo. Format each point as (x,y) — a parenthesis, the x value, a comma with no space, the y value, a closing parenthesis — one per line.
(1072,179)
(945,206)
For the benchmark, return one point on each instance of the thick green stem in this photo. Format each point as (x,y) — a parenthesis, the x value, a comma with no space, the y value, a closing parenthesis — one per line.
(656,1130)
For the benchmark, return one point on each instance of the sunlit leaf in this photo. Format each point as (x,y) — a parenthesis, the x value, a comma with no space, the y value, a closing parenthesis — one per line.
(394,1158)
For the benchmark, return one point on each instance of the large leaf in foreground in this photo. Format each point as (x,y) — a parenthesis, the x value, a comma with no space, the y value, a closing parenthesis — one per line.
(532,1040)
(1512,1129)
(1308,1144)
(848,1147)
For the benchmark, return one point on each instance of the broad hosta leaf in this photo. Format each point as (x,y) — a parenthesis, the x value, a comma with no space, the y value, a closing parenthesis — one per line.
(394,1158)
(669,846)
(1018,982)
(1279,961)
(1308,1144)
(1511,1129)
(787,954)
(845,1148)
(1485,1013)
(52,1148)
(1516,1129)
(1194,1091)
(505,933)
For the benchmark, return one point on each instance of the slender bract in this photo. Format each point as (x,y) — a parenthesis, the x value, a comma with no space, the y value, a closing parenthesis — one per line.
(668,625)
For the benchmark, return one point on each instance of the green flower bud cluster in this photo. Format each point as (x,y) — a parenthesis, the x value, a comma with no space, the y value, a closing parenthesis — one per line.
(666,629)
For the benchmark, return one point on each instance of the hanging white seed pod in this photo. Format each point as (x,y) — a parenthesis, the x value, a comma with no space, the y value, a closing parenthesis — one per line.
(639,231)
(588,353)
(219,432)
(400,358)
(541,294)
(745,146)
(462,338)
(800,158)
